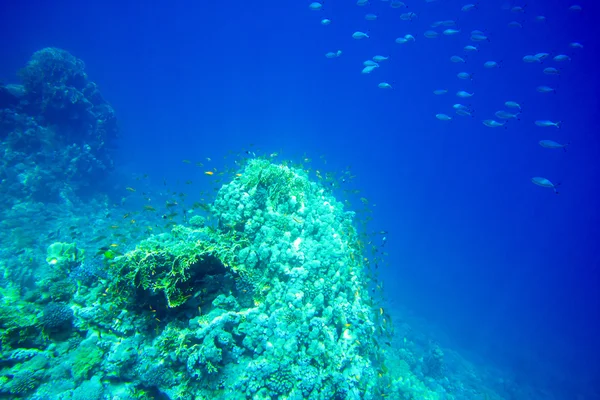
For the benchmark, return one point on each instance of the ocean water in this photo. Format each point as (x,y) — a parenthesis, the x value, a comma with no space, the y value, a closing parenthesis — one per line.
(474,261)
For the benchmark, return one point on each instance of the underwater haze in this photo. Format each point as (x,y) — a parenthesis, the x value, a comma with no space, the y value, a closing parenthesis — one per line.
(339,199)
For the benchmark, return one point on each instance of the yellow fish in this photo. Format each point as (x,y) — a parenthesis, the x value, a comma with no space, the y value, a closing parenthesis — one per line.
(209,173)
(130,189)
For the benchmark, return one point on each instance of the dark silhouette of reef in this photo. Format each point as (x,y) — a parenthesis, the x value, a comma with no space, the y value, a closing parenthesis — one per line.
(56,130)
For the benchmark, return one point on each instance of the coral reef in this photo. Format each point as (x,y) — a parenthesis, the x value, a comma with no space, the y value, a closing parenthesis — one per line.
(55,127)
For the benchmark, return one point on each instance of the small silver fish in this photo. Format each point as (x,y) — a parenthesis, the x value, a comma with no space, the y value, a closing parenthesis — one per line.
(443,117)
(465,76)
(431,34)
(384,85)
(379,58)
(463,94)
(543,182)
(468,7)
(369,68)
(479,37)
(531,59)
(490,123)
(370,63)
(439,92)
(325,21)
(545,89)
(451,32)
(463,113)
(409,16)
(360,35)
(512,104)
(551,71)
(491,64)
(561,58)
(506,115)
(332,54)
(544,123)
(370,17)
(457,59)
(397,4)
(551,144)
(315,6)
(470,48)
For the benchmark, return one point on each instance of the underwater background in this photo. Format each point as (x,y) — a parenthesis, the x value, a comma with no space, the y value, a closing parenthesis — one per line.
(491,281)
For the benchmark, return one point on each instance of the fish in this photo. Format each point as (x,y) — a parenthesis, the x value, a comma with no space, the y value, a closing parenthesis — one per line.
(401,40)
(439,92)
(465,76)
(359,35)
(409,37)
(543,182)
(506,115)
(409,16)
(325,21)
(551,71)
(491,64)
(468,7)
(463,94)
(561,58)
(544,123)
(209,173)
(457,59)
(130,189)
(545,89)
(431,34)
(397,4)
(333,54)
(369,68)
(362,2)
(370,63)
(490,123)
(443,117)
(451,32)
(464,112)
(515,24)
(542,56)
(551,144)
(470,48)
(575,7)
(576,45)
(315,6)
(384,85)
(512,104)
(479,37)
(371,17)
(379,59)
(531,59)
(540,18)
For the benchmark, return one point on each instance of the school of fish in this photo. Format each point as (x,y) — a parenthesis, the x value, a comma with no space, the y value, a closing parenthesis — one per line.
(551,65)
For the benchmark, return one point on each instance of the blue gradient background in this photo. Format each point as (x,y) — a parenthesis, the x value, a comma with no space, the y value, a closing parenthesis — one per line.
(506,271)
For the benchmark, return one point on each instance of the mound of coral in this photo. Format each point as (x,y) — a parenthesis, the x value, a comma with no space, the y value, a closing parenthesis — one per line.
(267,302)
(55,131)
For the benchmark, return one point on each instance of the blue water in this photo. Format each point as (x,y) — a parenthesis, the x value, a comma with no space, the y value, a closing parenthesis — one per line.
(494,267)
